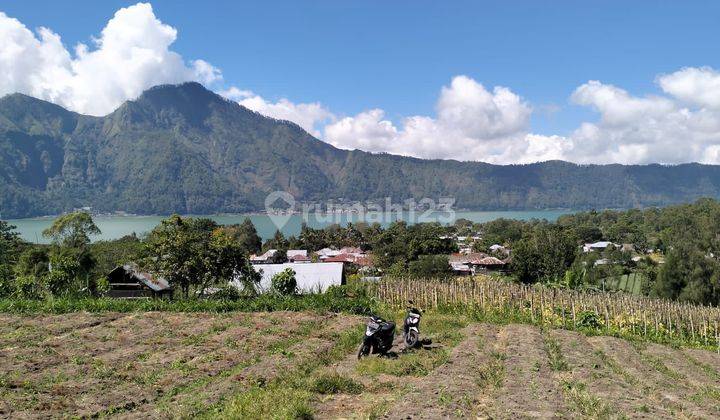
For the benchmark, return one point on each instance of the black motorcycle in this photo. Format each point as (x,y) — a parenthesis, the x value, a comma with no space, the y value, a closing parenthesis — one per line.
(411,327)
(379,335)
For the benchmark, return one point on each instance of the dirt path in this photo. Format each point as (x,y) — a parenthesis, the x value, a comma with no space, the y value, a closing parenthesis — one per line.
(530,389)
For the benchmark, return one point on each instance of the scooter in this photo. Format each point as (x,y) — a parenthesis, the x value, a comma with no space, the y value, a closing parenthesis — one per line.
(411,327)
(379,335)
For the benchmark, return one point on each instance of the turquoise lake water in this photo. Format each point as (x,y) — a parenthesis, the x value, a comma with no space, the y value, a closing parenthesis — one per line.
(114,227)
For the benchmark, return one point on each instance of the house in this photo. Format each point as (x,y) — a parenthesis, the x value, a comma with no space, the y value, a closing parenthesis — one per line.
(597,246)
(362,260)
(466,258)
(351,250)
(311,277)
(298,255)
(127,281)
(499,249)
(327,252)
(460,269)
(265,258)
(488,264)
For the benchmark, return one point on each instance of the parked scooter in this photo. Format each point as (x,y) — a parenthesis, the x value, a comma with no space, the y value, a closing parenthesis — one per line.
(411,327)
(379,335)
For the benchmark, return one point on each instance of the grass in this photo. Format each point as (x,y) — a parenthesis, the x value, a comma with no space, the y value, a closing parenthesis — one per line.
(270,402)
(334,383)
(583,402)
(338,299)
(290,394)
(492,373)
(554,354)
(440,328)
(616,368)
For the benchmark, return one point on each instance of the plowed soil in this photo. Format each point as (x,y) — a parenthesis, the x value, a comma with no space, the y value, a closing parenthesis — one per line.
(170,365)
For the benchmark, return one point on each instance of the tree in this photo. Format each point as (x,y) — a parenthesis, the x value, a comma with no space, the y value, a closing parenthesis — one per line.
(197,253)
(63,273)
(175,250)
(246,235)
(543,255)
(430,266)
(10,245)
(284,282)
(225,260)
(72,230)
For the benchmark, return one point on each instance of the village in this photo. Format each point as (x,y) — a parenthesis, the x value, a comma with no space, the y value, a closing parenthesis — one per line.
(317,270)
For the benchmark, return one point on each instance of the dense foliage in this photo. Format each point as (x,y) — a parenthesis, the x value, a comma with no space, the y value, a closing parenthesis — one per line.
(673,251)
(183,149)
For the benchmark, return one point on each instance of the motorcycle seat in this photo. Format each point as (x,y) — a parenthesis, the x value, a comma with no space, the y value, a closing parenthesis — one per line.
(388,326)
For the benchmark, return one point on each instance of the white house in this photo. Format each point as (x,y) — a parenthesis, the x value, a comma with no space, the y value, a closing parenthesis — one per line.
(311,277)
(597,246)
(263,259)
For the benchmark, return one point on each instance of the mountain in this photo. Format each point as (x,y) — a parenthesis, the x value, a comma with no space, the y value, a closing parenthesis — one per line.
(182,148)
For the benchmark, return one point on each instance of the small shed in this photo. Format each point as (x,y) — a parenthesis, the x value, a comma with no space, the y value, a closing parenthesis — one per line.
(128,282)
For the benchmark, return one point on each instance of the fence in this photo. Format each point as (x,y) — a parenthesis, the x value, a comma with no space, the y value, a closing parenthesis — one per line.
(613,312)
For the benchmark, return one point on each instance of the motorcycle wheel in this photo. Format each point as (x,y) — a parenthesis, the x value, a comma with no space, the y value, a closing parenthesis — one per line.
(412,339)
(364,350)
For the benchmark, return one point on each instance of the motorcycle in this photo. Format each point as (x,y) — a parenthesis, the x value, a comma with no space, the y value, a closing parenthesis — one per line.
(379,335)
(411,327)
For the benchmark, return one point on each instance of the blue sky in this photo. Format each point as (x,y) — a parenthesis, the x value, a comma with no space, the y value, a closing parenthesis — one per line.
(397,55)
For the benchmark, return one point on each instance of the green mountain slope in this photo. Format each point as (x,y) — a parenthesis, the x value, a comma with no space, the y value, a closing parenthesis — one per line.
(182,148)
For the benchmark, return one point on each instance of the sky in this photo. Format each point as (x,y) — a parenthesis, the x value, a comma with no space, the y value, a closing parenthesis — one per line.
(502,82)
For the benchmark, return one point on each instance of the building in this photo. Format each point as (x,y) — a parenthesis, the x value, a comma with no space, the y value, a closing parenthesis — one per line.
(327,252)
(361,260)
(597,246)
(128,282)
(460,269)
(298,255)
(265,258)
(311,277)
(488,264)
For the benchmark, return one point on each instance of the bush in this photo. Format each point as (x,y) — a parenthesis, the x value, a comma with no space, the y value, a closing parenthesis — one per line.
(284,282)
(28,287)
(228,292)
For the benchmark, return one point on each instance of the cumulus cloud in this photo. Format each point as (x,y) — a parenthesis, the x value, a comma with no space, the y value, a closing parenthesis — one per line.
(472,123)
(648,129)
(131,54)
(307,115)
(696,86)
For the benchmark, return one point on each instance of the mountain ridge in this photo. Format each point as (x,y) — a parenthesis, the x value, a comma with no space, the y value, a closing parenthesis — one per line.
(182,148)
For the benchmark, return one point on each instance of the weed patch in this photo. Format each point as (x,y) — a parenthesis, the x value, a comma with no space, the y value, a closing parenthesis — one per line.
(583,402)
(334,383)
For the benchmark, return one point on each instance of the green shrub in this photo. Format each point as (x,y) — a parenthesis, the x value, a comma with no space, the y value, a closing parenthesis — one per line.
(284,282)
(229,293)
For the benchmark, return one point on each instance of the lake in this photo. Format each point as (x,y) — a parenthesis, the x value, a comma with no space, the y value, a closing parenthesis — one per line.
(114,227)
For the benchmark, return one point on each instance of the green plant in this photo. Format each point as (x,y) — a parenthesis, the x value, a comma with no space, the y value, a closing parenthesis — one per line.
(334,383)
(284,282)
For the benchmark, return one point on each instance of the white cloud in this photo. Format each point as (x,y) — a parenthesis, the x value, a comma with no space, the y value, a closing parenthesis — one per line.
(472,123)
(307,115)
(648,129)
(696,86)
(130,55)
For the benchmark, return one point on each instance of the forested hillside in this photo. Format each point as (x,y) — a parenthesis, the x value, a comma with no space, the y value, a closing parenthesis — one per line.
(182,148)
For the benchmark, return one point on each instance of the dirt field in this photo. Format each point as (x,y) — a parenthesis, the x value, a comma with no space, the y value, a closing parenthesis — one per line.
(169,365)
